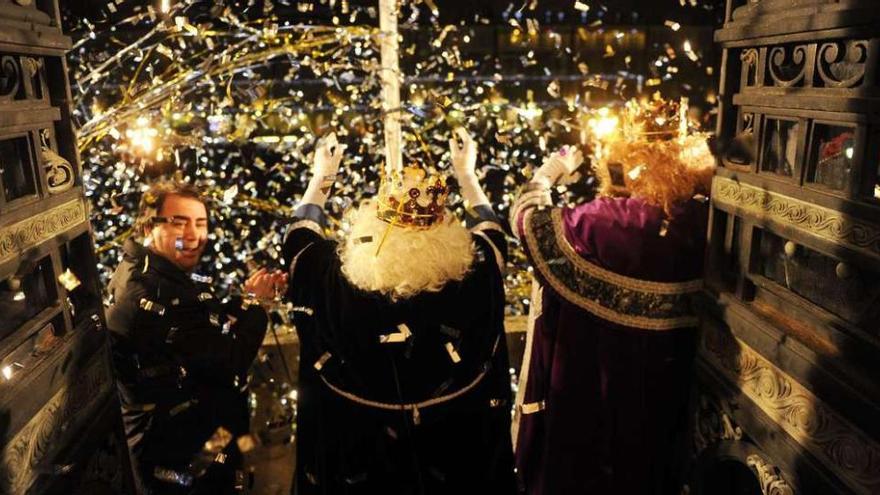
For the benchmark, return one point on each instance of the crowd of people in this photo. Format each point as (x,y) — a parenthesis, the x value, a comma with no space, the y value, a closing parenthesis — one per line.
(403,381)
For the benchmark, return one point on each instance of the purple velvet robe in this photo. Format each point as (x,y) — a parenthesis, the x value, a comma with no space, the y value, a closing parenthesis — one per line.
(603,405)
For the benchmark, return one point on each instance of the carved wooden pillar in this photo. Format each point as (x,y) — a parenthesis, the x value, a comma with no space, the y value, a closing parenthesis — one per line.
(790,353)
(60,430)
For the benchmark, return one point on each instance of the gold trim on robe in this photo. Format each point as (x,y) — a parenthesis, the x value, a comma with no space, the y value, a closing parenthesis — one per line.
(627,301)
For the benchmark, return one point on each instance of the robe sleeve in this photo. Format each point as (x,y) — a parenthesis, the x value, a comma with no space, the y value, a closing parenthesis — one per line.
(531,196)
(488,233)
(307,228)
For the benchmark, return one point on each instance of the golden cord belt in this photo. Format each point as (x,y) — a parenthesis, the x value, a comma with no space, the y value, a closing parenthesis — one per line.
(413,406)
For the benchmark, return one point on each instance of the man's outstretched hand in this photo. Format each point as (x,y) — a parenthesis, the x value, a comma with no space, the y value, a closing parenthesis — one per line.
(265,285)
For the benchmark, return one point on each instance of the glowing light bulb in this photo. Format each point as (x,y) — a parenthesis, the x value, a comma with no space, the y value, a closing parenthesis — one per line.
(142,137)
(604,125)
(529,112)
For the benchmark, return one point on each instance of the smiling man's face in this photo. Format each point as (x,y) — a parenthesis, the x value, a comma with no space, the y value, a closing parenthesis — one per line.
(180,233)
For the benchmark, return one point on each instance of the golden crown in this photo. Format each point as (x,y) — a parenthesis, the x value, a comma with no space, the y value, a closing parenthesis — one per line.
(411,198)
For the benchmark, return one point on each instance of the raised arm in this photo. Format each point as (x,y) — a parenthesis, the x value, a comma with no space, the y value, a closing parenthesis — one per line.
(480,219)
(309,219)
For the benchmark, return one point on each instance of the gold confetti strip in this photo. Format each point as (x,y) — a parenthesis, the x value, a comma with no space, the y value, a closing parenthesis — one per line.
(453,354)
(403,333)
(235,101)
(68,280)
(319,364)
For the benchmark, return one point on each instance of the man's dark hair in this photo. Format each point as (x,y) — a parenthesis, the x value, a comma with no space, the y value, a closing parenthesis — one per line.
(153,198)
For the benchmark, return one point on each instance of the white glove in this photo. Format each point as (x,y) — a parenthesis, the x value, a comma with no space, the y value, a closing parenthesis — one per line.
(325,165)
(561,163)
(464,162)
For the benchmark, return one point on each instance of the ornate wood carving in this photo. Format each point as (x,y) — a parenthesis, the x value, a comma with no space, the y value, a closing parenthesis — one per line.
(848,451)
(30,452)
(10,77)
(750,60)
(713,424)
(59,171)
(21,77)
(841,64)
(768,476)
(41,227)
(788,65)
(837,64)
(58,407)
(812,219)
(805,73)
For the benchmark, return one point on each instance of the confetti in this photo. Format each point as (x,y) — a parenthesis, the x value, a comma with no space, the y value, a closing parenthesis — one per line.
(235,100)
(68,280)
(319,364)
(403,333)
(453,354)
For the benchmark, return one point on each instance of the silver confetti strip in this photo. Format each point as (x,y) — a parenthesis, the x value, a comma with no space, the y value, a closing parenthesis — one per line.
(169,337)
(201,278)
(171,476)
(183,406)
(303,309)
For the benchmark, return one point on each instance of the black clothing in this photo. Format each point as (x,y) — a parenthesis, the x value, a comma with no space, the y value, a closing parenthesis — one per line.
(354,437)
(181,358)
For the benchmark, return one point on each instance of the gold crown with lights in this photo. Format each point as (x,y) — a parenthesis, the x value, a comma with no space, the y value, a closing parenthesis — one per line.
(623,140)
(412,198)
(645,120)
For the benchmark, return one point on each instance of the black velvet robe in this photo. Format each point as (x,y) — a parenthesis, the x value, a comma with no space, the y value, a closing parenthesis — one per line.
(347,446)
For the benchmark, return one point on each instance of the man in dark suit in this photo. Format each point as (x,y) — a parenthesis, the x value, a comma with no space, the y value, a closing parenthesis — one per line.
(180,354)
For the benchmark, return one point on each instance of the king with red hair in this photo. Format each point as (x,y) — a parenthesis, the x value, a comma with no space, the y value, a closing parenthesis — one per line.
(604,387)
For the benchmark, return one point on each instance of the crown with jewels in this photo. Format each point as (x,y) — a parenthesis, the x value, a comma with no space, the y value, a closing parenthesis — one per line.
(413,199)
